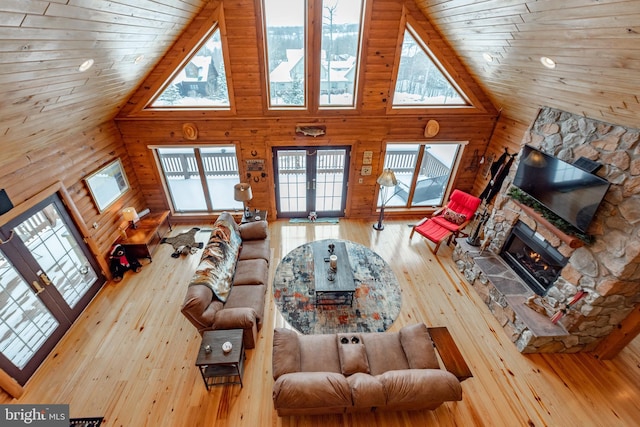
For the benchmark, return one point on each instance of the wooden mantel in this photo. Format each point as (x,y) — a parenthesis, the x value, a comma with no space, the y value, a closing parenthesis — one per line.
(571,241)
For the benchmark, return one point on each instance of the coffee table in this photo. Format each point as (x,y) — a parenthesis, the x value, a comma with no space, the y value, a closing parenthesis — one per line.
(216,366)
(332,287)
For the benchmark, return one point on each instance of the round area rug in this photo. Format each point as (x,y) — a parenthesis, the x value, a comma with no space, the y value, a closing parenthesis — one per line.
(376,301)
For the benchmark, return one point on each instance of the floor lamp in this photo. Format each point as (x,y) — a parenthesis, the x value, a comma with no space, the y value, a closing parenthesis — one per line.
(386,179)
(242,193)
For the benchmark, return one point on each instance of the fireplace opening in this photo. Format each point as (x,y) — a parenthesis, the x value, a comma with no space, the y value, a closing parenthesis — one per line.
(532,258)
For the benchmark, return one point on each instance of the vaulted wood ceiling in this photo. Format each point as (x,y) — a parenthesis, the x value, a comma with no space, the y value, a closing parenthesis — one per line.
(42,43)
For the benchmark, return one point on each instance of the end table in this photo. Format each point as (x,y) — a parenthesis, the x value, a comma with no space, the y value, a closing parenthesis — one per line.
(216,366)
(257,215)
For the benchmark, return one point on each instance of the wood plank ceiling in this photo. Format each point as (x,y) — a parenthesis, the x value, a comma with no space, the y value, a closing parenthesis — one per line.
(595,44)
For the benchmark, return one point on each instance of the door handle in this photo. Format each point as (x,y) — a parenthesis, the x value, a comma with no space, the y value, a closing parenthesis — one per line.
(37,286)
(314,184)
(45,279)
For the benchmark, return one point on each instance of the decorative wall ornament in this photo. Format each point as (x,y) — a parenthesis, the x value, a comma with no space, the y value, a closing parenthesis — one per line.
(190,131)
(431,129)
(311,130)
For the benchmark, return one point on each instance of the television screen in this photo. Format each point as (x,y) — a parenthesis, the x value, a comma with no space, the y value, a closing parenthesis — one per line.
(568,191)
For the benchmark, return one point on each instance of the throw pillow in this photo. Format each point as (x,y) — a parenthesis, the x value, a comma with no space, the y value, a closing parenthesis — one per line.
(453,216)
(353,357)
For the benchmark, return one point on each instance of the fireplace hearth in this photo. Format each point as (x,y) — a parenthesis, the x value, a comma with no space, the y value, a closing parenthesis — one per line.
(532,258)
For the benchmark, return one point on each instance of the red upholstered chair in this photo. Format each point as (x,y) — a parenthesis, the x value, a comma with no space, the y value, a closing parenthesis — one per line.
(448,221)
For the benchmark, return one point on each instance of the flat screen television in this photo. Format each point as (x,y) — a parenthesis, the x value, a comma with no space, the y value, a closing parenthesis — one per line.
(568,191)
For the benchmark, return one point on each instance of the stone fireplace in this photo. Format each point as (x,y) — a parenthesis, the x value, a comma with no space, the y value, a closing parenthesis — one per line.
(528,272)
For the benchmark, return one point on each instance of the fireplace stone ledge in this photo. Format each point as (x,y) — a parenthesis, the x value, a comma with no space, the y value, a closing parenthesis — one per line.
(505,294)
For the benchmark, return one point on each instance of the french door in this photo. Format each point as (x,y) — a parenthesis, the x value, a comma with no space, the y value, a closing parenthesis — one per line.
(47,277)
(311,179)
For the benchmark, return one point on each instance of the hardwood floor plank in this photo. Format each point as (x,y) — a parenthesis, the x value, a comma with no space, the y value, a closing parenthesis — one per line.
(131,355)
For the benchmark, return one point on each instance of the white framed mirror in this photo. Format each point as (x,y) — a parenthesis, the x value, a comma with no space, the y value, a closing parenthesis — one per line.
(107,184)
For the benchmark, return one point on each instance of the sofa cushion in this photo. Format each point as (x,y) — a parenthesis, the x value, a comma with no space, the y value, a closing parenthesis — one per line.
(384,352)
(311,390)
(286,352)
(248,297)
(255,249)
(251,272)
(353,356)
(418,347)
(219,258)
(257,230)
(366,391)
(319,353)
(420,386)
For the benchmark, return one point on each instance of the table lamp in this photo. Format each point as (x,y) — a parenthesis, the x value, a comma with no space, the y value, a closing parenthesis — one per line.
(242,193)
(386,179)
(130,214)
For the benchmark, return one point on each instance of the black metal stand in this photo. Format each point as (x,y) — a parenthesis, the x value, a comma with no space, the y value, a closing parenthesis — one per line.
(474,238)
(379,225)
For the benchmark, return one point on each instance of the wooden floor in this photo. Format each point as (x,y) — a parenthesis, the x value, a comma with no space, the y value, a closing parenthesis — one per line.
(130,357)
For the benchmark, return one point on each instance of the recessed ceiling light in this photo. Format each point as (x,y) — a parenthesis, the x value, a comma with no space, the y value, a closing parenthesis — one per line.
(548,62)
(138,59)
(487,57)
(86,65)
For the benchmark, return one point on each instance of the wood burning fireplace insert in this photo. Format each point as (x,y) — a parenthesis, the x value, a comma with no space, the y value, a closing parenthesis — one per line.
(532,258)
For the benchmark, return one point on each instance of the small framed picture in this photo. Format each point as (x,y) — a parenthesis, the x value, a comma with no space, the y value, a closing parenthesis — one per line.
(107,184)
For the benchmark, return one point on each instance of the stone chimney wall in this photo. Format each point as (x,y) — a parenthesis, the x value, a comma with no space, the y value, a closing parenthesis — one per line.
(608,269)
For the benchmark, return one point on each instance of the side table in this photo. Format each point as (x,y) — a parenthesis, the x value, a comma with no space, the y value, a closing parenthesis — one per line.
(258,215)
(142,241)
(218,367)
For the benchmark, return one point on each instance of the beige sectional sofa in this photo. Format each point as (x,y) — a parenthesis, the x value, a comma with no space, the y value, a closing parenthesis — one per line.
(336,373)
(229,286)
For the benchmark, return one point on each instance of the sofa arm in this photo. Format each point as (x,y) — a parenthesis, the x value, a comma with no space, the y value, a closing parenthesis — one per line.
(239,318)
(257,230)
(235,318)
(305,390)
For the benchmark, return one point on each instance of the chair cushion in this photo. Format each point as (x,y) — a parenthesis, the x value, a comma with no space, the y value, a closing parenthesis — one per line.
(384,352)
(251,272)
(433,230)
(318,353)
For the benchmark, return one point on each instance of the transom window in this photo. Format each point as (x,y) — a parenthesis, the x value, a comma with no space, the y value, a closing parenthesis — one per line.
(421,81)
(423,172)
(202,82)
(200,179)
(286,45)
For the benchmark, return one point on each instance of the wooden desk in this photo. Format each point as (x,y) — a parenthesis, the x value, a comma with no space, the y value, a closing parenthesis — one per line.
(142,241)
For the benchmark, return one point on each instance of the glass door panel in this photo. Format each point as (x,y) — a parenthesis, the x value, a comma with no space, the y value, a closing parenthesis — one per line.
(58,254)
(311,179)
(25,322)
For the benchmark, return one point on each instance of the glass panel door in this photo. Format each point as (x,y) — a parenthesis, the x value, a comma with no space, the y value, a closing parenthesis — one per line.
(311,179)
(48,277)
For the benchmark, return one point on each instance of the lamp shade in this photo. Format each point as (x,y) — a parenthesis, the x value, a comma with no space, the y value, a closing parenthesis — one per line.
(130,214)
(387,178)
(242,192)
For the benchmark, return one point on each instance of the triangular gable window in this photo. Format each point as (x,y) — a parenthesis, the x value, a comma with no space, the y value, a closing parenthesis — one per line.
(420,81)
(201,83)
